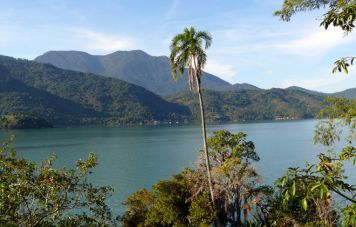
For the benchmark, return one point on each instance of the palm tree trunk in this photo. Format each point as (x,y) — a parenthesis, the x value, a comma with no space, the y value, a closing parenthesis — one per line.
(203,127)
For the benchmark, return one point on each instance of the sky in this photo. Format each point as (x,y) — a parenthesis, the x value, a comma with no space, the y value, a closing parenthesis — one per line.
(250,45)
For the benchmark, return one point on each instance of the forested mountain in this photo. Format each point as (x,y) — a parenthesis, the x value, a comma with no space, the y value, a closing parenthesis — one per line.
(136,67)
(253,104)
(68,97)
(348,94)
(65,97)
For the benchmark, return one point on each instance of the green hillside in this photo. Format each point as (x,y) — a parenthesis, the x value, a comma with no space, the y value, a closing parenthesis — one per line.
(253,105)
(54,93)
(348,93)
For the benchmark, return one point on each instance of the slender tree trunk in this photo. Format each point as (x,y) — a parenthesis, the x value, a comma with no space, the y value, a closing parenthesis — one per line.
(203,127)
(206,153)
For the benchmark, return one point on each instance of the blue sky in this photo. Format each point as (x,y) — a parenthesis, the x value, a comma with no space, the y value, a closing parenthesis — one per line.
(249,44)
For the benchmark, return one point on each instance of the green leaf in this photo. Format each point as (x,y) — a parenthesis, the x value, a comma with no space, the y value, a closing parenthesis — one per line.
(315,187)
(305,204)
(293,189)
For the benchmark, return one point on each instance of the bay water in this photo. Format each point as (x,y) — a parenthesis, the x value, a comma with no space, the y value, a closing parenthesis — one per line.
(131,158)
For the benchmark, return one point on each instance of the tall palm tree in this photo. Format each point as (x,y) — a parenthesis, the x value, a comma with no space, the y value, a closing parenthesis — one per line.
(188,52)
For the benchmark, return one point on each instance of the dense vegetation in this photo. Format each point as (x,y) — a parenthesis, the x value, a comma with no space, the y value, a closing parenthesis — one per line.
(68,97)
(184,200)
(22,121)
(254,105)
(136,67)
(39,195)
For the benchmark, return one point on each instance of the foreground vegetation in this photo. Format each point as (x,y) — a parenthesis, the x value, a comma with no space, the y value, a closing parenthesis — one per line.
(39,195)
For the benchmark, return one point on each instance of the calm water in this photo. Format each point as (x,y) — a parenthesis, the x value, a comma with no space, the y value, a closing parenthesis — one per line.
(136,157)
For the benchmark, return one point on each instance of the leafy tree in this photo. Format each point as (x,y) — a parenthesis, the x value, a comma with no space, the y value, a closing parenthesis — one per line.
(187,51)
(315,186)
(40,195)
(184,199)
(170,203)
(341,13)
(236,187)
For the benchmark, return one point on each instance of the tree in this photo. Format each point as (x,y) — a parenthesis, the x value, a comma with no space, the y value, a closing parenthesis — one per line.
(170,203)
(315,186)
(341,13)
(238,195)
(184,199)
(187,51)
(40,195)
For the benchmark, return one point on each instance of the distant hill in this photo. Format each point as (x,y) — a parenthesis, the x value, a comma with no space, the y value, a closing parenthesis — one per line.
(136,67)
(348,94)
(68,97)
(273,104)
(16,97)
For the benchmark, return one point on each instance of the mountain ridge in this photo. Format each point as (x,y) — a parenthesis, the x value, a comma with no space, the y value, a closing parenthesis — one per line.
(104,97)
(136,67)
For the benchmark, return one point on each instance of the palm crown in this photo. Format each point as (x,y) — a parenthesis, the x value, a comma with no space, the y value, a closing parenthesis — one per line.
(188,51)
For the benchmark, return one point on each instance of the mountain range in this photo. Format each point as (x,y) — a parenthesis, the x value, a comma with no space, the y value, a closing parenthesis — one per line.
(150,72)
(136,67)
(83,89)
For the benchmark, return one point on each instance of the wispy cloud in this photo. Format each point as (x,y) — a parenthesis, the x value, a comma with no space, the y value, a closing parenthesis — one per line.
(171,10)
(224,71)
(97,41)
(323,81)
(307,42)
(316,42)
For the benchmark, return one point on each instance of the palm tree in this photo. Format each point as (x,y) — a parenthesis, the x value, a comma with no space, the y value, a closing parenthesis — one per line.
(188,51)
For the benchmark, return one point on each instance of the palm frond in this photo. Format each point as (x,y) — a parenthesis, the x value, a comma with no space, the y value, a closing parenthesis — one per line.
(188,47)
(203,35)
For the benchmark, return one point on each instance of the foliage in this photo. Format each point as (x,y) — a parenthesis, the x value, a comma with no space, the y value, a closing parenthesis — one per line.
(184,199)
(341,13)
(40,195)
(170,203)
(315,186)
(20,121)
(235,180)
(188,52)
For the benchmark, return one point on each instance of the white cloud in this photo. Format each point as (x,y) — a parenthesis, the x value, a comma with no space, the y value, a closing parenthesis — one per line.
(97,41)
(307,42)
(316,42)
(316,82)
(222,70)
